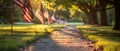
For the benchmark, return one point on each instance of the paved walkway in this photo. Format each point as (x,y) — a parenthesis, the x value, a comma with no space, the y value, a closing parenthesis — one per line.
(66,39)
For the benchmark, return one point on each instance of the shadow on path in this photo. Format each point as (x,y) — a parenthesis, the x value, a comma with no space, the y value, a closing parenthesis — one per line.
(66,39)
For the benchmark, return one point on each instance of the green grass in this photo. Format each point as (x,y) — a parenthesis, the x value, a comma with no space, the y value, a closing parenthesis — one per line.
(104,35)
(22,35)
(29,28)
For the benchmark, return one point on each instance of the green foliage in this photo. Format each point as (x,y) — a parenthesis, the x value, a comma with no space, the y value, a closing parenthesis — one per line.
(74,10)
(17,14)
(86,1)
(5,10)
(1,1)
(62,9)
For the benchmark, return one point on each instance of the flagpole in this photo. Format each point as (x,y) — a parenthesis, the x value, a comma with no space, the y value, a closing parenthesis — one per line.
(12,14)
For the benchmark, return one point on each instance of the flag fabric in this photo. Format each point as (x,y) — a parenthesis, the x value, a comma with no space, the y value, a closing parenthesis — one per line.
(39,14)
(50,20)
(53,17)
(19,3)
(48,17)
(26,9)
(46,14)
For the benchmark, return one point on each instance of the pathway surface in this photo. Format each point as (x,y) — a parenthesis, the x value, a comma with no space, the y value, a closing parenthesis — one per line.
(66,39)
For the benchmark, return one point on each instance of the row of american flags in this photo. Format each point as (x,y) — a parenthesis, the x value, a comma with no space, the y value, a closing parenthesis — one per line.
(28,14)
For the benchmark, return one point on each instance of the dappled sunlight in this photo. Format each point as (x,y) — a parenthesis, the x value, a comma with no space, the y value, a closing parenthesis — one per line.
(32,28)
(82,25)
(87,26)
(98,38)
(97,29)
(106,42)
(104,35)
(65,39)
(22,35)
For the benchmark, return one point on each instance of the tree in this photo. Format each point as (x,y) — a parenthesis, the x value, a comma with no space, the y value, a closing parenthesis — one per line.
(102,8)
(5,10)
(117,15)
(89,7)
(60,9)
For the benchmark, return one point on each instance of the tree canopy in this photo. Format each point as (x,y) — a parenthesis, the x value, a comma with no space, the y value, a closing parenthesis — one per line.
(64,9)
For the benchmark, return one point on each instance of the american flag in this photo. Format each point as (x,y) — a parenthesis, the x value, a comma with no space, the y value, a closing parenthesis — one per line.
(39,14)
(47,16)
(53,17)
(49,20)
(26,8)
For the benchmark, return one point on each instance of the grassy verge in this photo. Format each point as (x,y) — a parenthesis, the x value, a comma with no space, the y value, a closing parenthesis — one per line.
(104,35)
(22,35)
(29,28)
(15,41)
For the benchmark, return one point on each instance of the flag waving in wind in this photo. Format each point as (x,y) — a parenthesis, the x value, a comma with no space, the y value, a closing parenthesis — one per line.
(26,8)
(53,17)
(39,14)
(47,16)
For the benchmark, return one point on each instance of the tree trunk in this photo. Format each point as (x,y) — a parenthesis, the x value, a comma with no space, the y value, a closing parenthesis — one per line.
(90,10)
(85,20)
(94,13)
(5,11)
(92,16)
(103,18)
(117,15)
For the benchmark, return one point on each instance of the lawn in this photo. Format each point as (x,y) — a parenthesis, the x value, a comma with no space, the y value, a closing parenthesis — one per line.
(22,35)
(104,35)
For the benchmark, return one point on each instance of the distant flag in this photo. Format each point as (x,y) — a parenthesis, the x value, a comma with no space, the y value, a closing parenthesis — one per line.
(26,8)
(50,20)
(40,15)
(46,14)
(53,17)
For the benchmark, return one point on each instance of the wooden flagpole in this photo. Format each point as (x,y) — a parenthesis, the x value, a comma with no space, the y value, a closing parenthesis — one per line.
(12,15)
